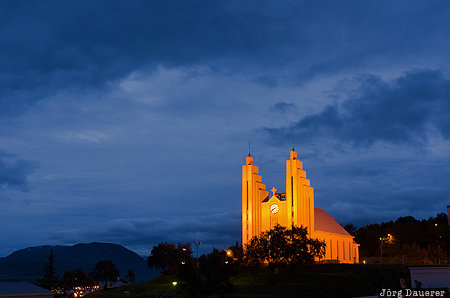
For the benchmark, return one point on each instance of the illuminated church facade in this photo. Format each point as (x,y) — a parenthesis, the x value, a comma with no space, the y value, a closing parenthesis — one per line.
(295,207)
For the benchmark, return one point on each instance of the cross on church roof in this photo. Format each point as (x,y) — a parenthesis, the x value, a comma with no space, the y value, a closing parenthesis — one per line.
(273,190)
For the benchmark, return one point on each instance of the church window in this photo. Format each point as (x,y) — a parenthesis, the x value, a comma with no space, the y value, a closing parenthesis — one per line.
(337,249)
(349,251)
(247,195)
(343,250)
(331,248)
(309,208)
(292,191)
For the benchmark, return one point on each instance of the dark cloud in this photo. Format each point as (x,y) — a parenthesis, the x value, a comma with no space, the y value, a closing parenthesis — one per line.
(398,111)
(71,44)
(282,107)
(365,188)
(214,230)
(14,175)
(387,205)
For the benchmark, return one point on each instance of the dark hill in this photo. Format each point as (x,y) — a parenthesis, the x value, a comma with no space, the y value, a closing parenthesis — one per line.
(25,264)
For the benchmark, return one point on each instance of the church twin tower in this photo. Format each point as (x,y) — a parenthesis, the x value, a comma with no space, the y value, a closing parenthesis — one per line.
(295,207)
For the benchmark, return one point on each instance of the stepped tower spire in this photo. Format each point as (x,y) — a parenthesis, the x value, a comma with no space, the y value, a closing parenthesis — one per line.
(253,193)
(293,148)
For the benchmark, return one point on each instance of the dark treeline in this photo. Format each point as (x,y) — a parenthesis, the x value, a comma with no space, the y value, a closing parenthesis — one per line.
(72,283)
(280,248)
(406,240)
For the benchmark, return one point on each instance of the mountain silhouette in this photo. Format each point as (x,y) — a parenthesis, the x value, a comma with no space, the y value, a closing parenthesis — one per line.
(25,264)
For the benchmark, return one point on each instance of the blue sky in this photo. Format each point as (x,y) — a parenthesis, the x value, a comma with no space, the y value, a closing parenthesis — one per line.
(128,122)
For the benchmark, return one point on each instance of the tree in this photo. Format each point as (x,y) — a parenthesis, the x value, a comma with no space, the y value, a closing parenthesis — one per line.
(413,240)
(254,255)
(50,280)
(105,271)
(237,251)
(168,258)
(351,229)
(283,247)
(211,278)
(130,276)
(235,258)
(76,279)
(436,253)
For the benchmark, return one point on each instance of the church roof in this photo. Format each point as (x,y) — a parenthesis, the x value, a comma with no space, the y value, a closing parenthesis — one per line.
(325,223)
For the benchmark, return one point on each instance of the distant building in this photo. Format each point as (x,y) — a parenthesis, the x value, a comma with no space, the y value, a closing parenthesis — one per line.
(430,277)
(23,289)
(295,207)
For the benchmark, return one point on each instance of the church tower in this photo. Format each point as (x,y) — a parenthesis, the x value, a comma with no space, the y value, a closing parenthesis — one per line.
(299,195)
(253,193)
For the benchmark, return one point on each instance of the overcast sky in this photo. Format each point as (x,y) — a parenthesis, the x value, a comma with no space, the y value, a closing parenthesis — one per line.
(129,121)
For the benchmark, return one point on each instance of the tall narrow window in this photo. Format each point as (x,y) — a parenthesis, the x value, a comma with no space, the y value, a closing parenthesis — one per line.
(292,190)
(349,252)
(331,248)
(343,250)
(309,213)
(337,249)
(247,195)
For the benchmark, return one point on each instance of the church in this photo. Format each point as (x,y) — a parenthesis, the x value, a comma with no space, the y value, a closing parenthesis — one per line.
(295,207)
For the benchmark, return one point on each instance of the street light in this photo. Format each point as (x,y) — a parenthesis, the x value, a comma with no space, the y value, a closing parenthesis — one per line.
(388,239)
(381,247)
(197,244)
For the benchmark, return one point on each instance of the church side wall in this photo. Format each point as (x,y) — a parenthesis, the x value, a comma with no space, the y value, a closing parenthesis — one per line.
(339,247)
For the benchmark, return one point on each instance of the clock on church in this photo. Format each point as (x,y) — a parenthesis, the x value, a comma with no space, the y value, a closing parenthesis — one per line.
(274,208)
